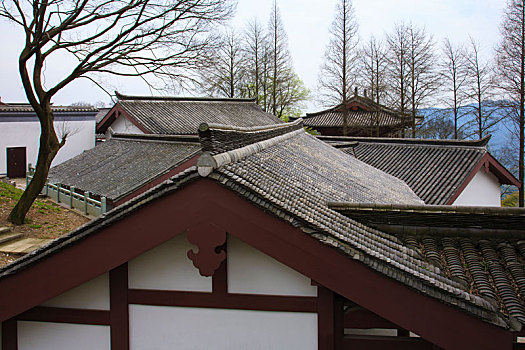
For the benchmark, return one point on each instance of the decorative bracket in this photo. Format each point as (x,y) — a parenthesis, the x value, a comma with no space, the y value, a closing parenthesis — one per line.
(207,237)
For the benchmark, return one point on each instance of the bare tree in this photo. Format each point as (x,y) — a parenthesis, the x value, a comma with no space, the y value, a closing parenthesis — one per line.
(481,90)
(413,76)
(337,75)
(121,37)
(291,95)
(254,49)
(424,79)
(510,70)
(398,69)
(373,63)
(224,73)
(454,73)
(282,90)
(279,55)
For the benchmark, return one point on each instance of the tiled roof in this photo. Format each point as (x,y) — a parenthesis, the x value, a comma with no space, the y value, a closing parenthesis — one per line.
(183,115)
(355,119)
(433,169)
(25,107)
(371,114)
(295,177)
(124,163)
(483,253)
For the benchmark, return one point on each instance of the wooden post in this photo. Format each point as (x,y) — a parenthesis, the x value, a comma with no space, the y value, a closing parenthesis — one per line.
(103,205)
(71,193)
(58,192)
(119,309)
(86,202)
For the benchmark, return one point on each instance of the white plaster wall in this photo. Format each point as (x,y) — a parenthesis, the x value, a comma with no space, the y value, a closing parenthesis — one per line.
(167,267)
(250,271)
(158,327)
(482,190)
(124,126)
(27,134)
(90,295)
(61,336)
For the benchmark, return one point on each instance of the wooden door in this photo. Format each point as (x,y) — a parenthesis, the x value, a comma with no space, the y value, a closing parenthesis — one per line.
(16,162)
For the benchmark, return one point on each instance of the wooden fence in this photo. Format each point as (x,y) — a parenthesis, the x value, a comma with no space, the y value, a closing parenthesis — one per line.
(82,202)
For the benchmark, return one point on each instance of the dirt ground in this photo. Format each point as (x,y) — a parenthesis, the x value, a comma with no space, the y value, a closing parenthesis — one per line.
(45,220)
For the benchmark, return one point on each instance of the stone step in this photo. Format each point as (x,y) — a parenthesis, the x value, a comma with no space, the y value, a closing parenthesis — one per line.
(8,237)
(4,229)
(23,246)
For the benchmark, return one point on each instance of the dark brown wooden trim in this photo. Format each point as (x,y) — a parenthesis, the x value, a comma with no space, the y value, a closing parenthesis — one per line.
(223,301)
(501,172)
(220,277)
(339,322)
(66,315)
(119,313)
(9,335)
(376,342)
(325,319)
(467,180)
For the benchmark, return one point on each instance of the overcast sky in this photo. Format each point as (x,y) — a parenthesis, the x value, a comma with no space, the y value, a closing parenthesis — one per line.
(306,23)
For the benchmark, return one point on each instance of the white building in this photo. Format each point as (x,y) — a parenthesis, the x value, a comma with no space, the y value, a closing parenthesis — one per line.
(20,134)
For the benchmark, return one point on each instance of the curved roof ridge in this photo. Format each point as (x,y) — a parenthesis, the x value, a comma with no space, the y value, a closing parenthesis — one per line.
(410,141)
(239,139)
(358,99)
(122,97)
(217,138)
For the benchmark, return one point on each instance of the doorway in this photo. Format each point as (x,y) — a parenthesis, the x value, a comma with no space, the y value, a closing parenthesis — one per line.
(16,162)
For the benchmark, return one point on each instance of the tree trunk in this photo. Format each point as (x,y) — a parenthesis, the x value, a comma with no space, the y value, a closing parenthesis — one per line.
(47,151)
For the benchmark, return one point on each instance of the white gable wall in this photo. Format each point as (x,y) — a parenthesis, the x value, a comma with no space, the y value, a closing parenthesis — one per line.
(482,190)
(27,134)
(152,327)
(54,336)
(122,125)
(167,267)
(90,295)
(252,272)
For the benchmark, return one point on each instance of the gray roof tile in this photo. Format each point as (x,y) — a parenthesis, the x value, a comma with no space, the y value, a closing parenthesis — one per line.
(122,164)
(435,171)
(183,116)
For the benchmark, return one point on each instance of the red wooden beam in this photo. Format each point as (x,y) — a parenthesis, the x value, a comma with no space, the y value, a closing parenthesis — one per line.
(222,300)
(371,342)
(325,318)
(119,313)
(9,335)
(65,315)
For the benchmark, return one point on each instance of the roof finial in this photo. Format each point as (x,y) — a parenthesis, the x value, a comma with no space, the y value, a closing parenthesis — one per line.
(355,91)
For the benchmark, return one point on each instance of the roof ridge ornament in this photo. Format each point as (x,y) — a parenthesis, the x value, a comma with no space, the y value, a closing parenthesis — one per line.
(265,137)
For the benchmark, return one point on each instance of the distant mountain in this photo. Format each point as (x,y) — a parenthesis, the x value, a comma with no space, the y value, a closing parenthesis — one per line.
(499,144)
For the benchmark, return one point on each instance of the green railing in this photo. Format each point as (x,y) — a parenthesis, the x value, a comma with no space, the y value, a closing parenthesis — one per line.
(82,202)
